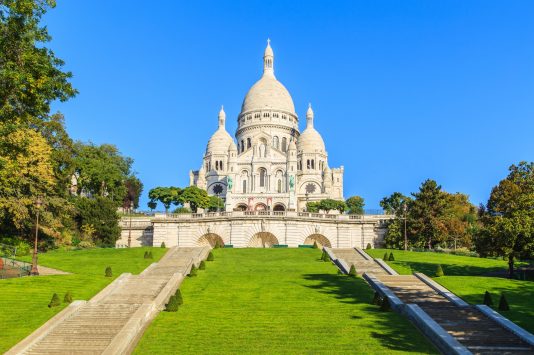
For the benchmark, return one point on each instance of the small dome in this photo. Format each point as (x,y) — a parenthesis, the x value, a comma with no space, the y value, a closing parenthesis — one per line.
(219,142)
(310,141)
(268,93)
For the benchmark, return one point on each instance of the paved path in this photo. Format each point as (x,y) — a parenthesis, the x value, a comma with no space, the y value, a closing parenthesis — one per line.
(115,319)
(468,325)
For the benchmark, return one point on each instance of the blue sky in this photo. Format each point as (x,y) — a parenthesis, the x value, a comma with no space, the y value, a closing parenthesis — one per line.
(402,90)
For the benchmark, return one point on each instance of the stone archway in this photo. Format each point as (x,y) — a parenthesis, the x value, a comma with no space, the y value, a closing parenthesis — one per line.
(279,207)
(320,239)
(210,240)
(241,207)
(262,240)
(260,207)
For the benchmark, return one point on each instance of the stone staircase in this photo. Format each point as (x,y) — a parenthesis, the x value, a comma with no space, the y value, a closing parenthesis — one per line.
(474,330)
(114,320)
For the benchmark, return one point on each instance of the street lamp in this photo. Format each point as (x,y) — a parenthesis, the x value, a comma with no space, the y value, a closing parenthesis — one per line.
(130,229)
(38,205)
(405,209)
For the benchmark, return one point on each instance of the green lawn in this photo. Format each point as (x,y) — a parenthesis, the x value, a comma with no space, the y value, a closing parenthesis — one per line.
(463,277)
(24,300)
(278,301)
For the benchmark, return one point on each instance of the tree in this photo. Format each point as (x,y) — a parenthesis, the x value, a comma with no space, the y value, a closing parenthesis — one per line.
(394,204)
(394,237)
(460,219)
(134,187)
(215,204)
(166,195)
(196,197)
(508,222)
(101,213)
(312,207)
(355,204)
(31,76)
(488,300)
(328,205)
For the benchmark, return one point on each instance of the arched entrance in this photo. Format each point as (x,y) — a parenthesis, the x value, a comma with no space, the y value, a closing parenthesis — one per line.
(320,239)
(241,207)
(210,240)
(260,207)
(279,207)
(262,240)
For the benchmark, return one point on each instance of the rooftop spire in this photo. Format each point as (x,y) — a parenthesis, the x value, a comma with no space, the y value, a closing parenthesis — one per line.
(309,117)
(222,117)
(268,59)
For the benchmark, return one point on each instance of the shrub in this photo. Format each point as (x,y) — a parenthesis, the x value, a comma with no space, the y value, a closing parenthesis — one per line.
(353,272)
(54,302)
(150,256)
(384,304)
(503,303)
(210,256)
(85,244)
(109,273)
(163,245)
(391,257)
(193,271)
(377,300)
(202,265)
(439,271)
(315,245)
(325,256)
(179,297)
(173,305)
(146,255)
(488,301)
(368,246)
(339,272)
(386,257)
(68,297)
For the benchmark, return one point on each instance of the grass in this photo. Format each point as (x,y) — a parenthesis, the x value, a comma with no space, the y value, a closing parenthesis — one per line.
(467,277)
(278,301)
(24,300)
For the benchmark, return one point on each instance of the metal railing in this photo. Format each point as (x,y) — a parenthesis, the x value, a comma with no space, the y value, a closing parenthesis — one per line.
(10,268)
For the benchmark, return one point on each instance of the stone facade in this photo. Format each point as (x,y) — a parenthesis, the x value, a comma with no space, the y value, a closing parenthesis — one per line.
(255,229)
(272,167)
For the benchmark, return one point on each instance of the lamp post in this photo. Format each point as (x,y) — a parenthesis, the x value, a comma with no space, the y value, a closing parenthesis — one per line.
(38,204)
(130,229)
(405,209)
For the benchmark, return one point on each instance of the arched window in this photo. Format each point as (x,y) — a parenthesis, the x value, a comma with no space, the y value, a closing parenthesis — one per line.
(308,164)
(284,144)
(313,163)
(263,174)
(249,143)
(276,142)
(242,146)
(244,186)
(279,186)
(216,165)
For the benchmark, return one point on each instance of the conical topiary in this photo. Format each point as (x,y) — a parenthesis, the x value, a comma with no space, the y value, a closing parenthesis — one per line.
(488,301)
(339,272)
(202,265)
(68,297)
(163,245)
(503,303)
(210,256)
(353,272)
(193,271)
(384,305)
(179,297)
(54,302)
(173,305)
(377,300)
(391,257)
(439,271)
(109,272)
(368,246)
(386,257)
(146,255)
(315,245)
(150,256)
(326,257)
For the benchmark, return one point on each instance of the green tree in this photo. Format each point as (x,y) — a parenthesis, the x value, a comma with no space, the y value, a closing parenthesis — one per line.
(355,204)
(101,213)
(394,204)
(394,237)
(508,222)
(215,204)
(166,195)
(312,207)
(196,197)
(134,188)
(328,205)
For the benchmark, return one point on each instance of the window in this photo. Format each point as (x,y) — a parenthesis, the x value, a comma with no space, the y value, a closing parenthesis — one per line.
(249,143)
(216,165)
(242,146)
(276,142)
(244,186)
(279,186)
(308,164)
(313,163)
(284,144)
(263,173)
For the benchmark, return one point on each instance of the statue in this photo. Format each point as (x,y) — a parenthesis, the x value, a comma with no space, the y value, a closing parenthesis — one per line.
(291,182)
(230,183)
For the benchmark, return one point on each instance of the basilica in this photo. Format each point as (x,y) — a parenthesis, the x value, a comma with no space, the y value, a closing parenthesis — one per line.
(271,165)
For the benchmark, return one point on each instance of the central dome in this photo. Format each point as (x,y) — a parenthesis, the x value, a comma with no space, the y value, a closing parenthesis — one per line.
(268,93)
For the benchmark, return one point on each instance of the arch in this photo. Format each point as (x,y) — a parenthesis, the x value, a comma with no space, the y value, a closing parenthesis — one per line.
(320,239)
(241,207)
(276,142)
(263,177)
(284,144)
(262,240)
(210,240)
(279,207)
(260,207)
(249,143)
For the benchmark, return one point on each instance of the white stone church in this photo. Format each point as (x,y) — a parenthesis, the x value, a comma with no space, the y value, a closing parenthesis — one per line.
(270,165)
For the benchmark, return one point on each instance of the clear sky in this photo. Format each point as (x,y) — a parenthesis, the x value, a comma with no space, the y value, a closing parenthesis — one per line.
(402,90)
